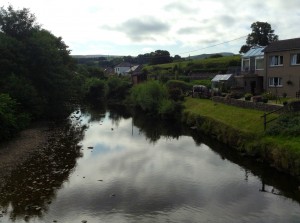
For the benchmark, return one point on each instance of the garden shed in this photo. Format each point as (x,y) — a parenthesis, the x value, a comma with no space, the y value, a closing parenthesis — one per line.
(222,82)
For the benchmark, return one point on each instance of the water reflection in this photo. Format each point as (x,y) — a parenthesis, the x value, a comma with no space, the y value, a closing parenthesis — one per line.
(32,186)
(145,170)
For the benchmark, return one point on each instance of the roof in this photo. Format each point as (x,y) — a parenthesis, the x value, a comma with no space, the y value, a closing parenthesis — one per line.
(254,52)
(283,45)
(221,77)
(125,64)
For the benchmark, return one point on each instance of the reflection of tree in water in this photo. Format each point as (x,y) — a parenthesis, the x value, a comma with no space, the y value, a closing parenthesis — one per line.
(95,112)
(117,113)
(272,181)
(30,188)
(154,128)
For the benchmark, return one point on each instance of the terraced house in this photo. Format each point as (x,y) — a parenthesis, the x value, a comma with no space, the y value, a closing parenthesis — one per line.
(282,67)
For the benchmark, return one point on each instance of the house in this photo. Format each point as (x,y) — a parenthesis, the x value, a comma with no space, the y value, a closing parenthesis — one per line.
(252,71)
(282,67)
(222,82)
(123,68)
(138,75)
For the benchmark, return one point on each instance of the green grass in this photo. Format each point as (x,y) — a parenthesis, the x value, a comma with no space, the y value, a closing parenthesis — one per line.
(245,120)
(205,64)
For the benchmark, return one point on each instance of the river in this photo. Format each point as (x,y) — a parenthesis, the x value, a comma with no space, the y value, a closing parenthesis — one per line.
(111,167)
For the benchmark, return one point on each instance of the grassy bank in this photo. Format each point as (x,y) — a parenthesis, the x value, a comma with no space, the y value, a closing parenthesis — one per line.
(242,129)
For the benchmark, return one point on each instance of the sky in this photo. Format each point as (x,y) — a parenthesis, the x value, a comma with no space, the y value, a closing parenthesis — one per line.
(132,27)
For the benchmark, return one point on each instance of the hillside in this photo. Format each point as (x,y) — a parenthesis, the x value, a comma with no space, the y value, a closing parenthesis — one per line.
(210,65)
(204,56)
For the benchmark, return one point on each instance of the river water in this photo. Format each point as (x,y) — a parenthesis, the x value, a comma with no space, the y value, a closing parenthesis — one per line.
(111,167)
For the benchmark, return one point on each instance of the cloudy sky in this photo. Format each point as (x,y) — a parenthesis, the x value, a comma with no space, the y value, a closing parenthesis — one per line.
(132,27)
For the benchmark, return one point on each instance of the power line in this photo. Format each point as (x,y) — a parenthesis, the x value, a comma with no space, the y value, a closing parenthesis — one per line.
(213,45)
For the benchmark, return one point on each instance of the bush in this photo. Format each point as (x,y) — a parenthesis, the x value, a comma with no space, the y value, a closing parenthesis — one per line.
(117,88)
(269,95)
(151,97)
(95,89)
(11,119)
(183,86)
(248,96)
(176,94)
(287,125)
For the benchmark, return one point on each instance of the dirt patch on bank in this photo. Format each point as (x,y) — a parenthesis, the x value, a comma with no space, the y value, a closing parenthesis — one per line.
(20,148)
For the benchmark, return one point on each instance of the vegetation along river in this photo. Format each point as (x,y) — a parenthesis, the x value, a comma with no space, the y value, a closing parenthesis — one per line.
(111,167)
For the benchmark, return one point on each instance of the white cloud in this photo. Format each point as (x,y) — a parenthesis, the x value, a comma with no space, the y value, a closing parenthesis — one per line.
(127,27)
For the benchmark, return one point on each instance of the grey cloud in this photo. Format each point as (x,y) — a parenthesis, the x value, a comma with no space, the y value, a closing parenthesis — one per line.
(188,30)
(139,29)
(181,7)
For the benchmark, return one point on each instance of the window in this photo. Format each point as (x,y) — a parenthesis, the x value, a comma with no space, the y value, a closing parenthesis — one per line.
(276,61)
(275,82)
(246,64)
(295,59)
(259,63)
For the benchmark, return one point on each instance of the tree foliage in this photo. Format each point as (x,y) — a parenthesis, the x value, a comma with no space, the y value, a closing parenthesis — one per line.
(37,72)
(262,34)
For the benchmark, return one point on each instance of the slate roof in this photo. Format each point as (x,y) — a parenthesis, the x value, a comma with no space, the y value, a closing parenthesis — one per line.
(125,64)
(254,52)
(283,45)
(221,77)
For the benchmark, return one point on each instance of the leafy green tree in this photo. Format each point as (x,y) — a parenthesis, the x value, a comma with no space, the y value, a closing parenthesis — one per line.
(38,60)
(160,57)
(96,89)
(151,97)
(262,34)
(17,23)
(11,119)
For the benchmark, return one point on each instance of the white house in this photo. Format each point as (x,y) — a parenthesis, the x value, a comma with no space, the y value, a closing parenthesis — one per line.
(123,68)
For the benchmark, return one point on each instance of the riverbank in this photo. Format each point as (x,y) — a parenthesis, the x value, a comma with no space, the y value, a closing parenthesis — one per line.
(26,143)
(242,129)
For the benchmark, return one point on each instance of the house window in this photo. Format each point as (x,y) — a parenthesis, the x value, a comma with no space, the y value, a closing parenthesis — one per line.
(276,61)
(275,82)
(295,59)
(246,64)
(259,63)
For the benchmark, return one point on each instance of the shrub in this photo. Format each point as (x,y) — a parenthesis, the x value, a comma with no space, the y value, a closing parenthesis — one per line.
(10,118)
(117,88)
(95,89)
(269,95)
(248,96)
(287,125)
(176,94)
(183,86)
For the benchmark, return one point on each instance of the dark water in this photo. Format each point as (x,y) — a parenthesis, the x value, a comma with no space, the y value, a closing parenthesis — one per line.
(143,170)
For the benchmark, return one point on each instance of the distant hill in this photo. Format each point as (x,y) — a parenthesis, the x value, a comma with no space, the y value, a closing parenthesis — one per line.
(203,56)
(94,56)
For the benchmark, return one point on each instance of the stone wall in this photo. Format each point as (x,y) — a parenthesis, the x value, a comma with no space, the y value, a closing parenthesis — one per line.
(246,104)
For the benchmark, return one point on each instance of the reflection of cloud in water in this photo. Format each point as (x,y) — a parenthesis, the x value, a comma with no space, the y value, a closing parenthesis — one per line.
(172,180)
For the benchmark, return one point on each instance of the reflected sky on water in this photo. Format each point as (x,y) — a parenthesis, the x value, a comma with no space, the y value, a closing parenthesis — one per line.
(124,176)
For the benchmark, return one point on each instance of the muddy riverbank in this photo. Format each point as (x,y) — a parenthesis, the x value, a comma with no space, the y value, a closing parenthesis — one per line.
(19,149)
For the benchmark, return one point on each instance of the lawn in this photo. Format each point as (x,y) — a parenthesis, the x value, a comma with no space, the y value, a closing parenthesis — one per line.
(241,119)
(245,120)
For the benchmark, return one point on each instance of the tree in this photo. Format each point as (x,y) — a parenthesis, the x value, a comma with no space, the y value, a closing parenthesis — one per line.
(17,23)
(160,57)
(262,34)
(37,70)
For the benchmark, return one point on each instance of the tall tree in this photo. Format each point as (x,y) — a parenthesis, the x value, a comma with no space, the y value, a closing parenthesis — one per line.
(262,34)
(17,23)
(160,57)
(36,67)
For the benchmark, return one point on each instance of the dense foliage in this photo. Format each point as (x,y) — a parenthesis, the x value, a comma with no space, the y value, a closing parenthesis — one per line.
(286,125)
(37,74)
(152,97)
(11,118)
(262,34)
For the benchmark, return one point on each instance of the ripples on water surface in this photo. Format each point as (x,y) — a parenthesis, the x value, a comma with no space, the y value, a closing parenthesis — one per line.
(147,173)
